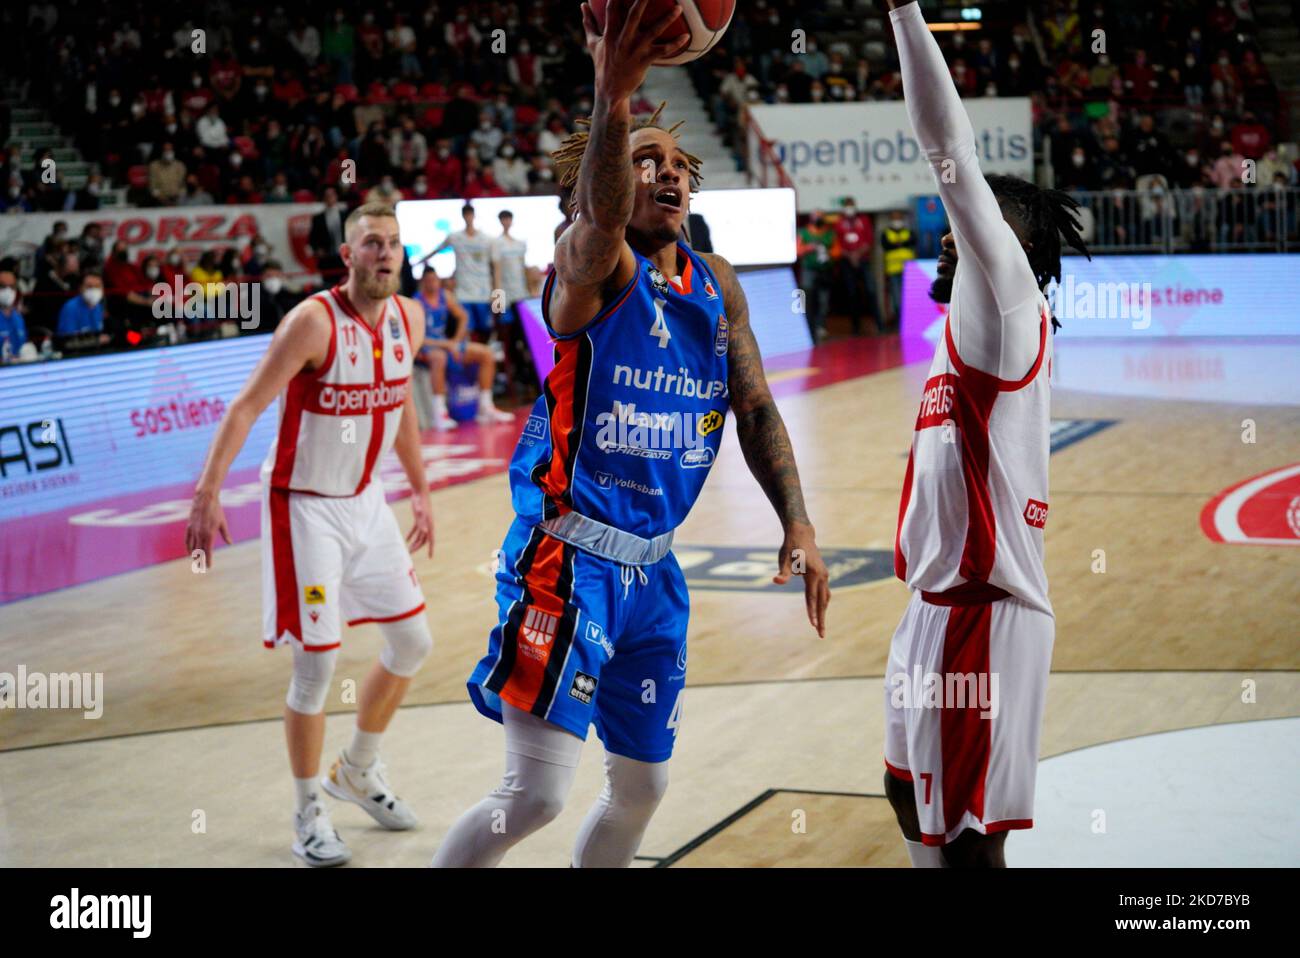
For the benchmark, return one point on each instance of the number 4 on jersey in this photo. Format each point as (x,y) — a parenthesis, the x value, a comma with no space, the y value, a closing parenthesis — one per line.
(675,718)
(660,328)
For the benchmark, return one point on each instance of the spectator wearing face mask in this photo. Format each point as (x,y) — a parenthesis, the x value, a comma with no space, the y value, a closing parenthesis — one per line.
(91,246)
(15,197)
(444,171)
(420,188)
(408,151)
(855,239)
(274,299)
(167,177)
(211,130)
(487,139)
(541,179)
(898,245)
(524,68)
(338,45)
(256,255)
(13,329)
(84,313)
(87,199)
(510,170)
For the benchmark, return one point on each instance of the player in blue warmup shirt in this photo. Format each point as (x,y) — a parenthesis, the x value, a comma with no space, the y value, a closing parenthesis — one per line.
(652,348)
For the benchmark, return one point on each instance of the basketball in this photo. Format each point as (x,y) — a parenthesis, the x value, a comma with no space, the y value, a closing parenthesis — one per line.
(705,20)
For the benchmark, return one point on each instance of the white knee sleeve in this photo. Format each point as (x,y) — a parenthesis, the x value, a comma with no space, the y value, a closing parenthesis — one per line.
(407,643)
(541,761)
(310,684)
(613,829)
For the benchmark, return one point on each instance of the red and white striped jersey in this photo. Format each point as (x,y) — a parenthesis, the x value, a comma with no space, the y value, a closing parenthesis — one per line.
(975,495)
(337,421)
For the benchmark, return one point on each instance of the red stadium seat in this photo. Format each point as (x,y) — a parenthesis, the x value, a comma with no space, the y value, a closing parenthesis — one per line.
(377,93)
(434,91)
(348,91)
(526,115)
(245,145)
(138,175)
(404,90)
(433,116)
(304,196)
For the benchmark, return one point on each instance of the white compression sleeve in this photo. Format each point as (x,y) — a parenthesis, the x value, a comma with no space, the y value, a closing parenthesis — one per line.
(612,831)
(996,322)
(541,761)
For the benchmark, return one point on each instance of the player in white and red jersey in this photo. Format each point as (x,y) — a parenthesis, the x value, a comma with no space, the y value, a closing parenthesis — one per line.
(967,673)
(331,548)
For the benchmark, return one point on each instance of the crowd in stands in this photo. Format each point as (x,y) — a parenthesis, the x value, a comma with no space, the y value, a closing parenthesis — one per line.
(283,96)
(289,102)
(1177,90)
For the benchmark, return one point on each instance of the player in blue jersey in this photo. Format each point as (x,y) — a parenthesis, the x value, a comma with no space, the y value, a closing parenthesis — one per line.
(441,349)
(652,348)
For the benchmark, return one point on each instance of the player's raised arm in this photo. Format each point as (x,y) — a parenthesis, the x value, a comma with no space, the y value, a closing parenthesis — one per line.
(592,254)
(947,140)
(301,341)
(766,445)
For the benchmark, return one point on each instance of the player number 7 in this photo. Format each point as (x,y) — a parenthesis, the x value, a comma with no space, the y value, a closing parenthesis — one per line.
(927,777)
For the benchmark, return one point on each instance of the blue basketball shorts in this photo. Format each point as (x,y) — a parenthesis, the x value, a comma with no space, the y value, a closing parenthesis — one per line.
(582,639)
(480,317)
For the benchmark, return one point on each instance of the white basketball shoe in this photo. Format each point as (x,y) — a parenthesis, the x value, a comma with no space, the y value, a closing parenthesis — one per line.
(318,844)
(369,788)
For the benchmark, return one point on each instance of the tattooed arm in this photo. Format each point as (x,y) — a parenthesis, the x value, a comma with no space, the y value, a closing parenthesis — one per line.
(592,258)
(767,449)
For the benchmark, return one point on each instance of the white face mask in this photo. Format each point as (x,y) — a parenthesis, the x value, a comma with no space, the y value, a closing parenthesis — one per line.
(92,296)
(151,272)
(8,296)
(273,284)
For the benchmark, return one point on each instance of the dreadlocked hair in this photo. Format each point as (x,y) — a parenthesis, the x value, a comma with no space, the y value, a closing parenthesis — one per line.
(1048,215)
(568,158)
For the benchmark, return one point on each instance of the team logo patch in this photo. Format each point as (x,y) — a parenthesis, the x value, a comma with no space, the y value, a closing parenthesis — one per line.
(720,340)
(584,688)
(1036,513)
(709,291)
(595,633)
(352,357)
(539,627)
(394,327)
(1264,510)
(313,594)
(710,422)
(681,659)
(657,279)
(697,458)
(534,431)
(604,480)
(399,352)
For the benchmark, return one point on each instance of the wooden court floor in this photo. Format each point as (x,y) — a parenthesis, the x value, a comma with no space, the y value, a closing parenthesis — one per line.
(778,761)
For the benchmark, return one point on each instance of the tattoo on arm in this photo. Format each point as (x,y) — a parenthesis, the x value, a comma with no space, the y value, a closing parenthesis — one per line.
(589,250)
(759,426)
(605,181)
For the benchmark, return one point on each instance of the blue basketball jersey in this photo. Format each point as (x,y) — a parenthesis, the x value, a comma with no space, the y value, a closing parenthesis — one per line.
(630,419)
(435,315)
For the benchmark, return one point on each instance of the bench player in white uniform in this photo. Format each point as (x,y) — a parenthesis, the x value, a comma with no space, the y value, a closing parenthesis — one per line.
(331,548)
(968,665)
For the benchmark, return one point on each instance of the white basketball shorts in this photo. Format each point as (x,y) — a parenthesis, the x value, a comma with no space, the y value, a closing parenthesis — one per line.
(329,560)
(964,694)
